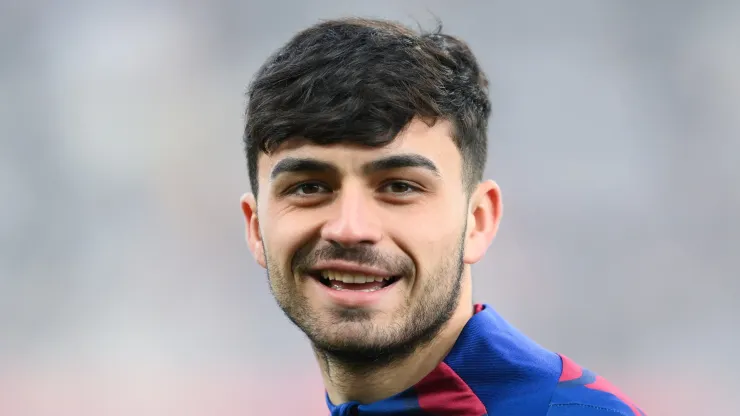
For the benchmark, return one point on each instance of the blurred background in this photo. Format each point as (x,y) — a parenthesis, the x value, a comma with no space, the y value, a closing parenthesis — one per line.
(126,287)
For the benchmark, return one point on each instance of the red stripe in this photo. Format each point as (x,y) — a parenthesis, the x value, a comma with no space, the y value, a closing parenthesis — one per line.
(602,385)
(571,370)
(443,393)
(478,307)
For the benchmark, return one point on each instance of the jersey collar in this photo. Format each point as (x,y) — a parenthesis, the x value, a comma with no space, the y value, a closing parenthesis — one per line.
(490,362)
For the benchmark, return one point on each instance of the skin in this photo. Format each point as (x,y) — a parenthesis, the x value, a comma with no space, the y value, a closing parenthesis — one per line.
(411,220)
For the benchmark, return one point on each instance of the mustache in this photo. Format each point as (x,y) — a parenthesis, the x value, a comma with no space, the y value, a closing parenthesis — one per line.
(364,255)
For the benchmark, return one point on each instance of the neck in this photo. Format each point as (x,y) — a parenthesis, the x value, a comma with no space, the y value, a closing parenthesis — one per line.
(368,385)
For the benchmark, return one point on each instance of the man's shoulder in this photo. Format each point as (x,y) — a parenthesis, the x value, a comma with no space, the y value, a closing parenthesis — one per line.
(511,374)
(580,392)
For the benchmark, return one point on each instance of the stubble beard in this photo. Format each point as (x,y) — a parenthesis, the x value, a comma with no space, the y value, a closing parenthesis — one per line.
(351,338)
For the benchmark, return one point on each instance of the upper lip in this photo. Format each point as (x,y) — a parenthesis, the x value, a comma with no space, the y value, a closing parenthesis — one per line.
(349,267)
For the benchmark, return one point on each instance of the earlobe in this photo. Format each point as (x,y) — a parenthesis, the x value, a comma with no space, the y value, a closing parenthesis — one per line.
(484,217)
(253,235)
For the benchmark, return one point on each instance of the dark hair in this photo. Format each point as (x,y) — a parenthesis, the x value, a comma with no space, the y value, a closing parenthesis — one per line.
(362,81)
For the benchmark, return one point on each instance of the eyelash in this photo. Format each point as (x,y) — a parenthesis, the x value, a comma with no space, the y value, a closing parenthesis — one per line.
(293,190)
(411,187)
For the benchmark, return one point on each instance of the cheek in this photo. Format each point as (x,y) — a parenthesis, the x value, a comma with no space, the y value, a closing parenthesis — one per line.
(430,235)
(441,243)
(285,233)
(432,221)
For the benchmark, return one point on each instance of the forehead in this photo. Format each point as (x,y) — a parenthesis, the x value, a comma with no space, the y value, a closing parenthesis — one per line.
(431,141)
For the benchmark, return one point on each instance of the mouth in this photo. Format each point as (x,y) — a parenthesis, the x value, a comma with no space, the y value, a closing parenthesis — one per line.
(358,282)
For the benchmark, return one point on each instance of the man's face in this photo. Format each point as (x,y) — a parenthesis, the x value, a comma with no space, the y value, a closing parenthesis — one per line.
(364,246)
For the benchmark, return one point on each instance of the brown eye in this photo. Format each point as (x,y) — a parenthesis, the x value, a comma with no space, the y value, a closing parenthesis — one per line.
(398,187)
(309,188)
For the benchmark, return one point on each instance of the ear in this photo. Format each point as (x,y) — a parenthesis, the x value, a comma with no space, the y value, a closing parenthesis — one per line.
(484,217)
(254,238)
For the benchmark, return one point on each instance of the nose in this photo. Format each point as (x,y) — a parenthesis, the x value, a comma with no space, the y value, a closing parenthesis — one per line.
(354,221)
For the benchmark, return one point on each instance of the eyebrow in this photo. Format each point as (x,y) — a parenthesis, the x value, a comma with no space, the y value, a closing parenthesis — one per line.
(400,162)
(300,165)
(303,165)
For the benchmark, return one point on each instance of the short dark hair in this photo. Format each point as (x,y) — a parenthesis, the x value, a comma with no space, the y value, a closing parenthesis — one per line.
(362,81)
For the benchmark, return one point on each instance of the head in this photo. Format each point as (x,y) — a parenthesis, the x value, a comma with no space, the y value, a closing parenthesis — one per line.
(366,145)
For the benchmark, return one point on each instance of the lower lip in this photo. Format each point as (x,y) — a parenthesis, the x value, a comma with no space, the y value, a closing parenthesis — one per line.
(353,298)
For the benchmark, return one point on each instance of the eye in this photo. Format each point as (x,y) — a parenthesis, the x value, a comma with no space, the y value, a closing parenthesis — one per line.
(308,189)
(399,188)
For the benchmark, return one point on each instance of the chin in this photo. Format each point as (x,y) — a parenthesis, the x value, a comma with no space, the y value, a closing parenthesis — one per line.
(349,327)
(349,337)
(354,345)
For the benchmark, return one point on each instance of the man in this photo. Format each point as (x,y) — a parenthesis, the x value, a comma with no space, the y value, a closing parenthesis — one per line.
(366,145)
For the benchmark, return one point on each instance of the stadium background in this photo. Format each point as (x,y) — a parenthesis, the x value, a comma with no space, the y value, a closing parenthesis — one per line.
(125,285)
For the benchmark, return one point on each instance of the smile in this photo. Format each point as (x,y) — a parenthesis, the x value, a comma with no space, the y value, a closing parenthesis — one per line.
(343,280)
(351,285)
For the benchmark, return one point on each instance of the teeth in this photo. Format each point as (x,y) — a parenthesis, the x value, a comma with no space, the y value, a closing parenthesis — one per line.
(335,287)
(351,278)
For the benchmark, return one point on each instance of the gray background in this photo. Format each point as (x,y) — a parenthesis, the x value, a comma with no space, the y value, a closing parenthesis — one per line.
(126,287)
